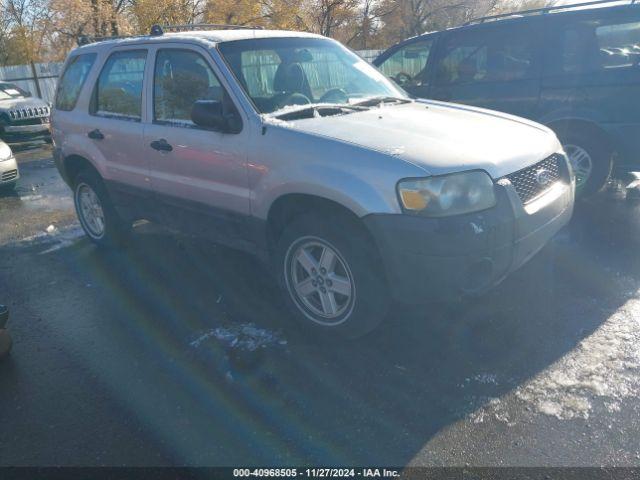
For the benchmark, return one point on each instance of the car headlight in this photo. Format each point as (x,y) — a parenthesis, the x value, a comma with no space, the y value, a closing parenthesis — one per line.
(447,194)
(5,152)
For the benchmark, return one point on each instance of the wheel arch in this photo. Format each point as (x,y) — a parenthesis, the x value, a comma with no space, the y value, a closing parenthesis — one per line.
(291,205)
(566,125)
(74,164)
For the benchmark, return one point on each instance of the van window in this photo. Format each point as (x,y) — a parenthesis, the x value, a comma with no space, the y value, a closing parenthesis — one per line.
(181,78)
(408,65)
(495,56)
(118,92)
(600,45)
(72,80)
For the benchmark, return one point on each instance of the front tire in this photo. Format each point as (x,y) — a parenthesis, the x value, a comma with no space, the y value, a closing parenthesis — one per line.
(330,276)
(98,217)
(591,160)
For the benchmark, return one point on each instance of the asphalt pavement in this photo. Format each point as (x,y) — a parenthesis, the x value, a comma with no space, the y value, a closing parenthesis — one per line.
(174,351)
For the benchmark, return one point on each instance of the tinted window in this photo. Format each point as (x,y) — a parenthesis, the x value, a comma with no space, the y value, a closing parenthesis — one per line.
(118,92)
(72,80)
(408,65)
(181,78)
(492,56)
(600,45)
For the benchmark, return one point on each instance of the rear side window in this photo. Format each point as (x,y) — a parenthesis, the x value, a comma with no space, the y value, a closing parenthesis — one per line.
(181,78)
(118,92)
(499,55)
(598,45)
(72,80)
(408,65)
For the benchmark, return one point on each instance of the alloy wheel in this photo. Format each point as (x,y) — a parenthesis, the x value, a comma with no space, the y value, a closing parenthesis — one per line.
(90,210)
(320,281)
(581,162)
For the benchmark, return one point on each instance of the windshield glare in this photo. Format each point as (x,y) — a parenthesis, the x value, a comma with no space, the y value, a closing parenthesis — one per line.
(280,72)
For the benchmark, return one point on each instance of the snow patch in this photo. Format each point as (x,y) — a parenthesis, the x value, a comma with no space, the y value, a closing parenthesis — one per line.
(244,336)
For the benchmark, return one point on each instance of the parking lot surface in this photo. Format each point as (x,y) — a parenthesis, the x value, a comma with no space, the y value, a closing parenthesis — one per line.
(174,351)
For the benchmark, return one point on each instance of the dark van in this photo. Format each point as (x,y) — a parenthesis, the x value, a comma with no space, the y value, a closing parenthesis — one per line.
(574,68)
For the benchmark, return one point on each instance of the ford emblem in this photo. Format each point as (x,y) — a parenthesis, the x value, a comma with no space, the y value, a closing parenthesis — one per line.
(543,177)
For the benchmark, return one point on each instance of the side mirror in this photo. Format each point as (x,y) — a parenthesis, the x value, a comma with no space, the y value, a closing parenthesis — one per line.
(213,115)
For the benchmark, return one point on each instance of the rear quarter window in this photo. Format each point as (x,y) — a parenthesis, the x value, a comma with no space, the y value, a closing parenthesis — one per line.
(600,45)
(72,81)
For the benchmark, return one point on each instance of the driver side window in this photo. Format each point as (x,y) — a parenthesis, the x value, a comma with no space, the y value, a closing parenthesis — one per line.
(181,78)
(408,66)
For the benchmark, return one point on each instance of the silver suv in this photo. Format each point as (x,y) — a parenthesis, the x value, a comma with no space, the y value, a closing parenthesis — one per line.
(291,147)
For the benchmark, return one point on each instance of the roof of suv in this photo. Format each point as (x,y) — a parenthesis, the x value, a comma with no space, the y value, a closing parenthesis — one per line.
(214,36)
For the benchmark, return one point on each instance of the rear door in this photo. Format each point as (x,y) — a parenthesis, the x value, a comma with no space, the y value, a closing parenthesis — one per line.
(114,126)
(491,66)
(408,65)
(199,175)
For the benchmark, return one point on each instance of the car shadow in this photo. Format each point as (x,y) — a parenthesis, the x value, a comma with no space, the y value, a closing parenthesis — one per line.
(182,315)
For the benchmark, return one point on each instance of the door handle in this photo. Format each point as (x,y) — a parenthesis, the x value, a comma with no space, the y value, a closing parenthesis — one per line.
(161,145)
(95,134)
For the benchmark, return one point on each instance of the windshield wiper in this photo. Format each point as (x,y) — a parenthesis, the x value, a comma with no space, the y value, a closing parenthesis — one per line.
(315,107)
(370,102)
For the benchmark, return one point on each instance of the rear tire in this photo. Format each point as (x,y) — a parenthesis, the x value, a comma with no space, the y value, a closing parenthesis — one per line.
(98,217)
(591,159)
(330,276)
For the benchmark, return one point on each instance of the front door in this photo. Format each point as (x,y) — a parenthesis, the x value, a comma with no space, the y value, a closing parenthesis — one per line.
(199,175)
(495,67)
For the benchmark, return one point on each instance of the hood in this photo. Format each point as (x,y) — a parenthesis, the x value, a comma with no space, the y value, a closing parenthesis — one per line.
(15,103)
(441,138)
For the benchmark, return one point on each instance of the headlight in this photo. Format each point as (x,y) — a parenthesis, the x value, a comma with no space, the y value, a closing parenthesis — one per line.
(5,152)
(448,194)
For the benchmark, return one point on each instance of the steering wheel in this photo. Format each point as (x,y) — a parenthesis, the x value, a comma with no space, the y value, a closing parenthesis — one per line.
(335,95)
(402,78)
(293,99)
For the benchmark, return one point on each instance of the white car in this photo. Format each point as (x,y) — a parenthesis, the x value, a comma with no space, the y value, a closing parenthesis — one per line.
(9,172)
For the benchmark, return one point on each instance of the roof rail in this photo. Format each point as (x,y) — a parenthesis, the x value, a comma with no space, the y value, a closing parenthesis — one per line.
(160,29)
(540,11)
(87,39)
(157,30)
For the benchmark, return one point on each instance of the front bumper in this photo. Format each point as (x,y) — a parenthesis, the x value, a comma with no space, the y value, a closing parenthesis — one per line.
(19,132)
(9,172)
(442,259)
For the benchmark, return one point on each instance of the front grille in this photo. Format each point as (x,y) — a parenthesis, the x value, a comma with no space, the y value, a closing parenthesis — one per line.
(24,113)
(9,175)
(526,181)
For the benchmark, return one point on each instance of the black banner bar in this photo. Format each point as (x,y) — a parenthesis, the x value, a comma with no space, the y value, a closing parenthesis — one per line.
(409,473)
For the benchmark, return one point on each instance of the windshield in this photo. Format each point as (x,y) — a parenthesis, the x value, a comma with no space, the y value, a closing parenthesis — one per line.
(278,73)
(9,90)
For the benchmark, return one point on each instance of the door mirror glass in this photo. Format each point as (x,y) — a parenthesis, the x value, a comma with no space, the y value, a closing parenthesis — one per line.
(213,115)
(208,114)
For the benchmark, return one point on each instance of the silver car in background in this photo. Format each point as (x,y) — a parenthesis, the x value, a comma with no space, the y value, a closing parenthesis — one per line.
(289,146)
